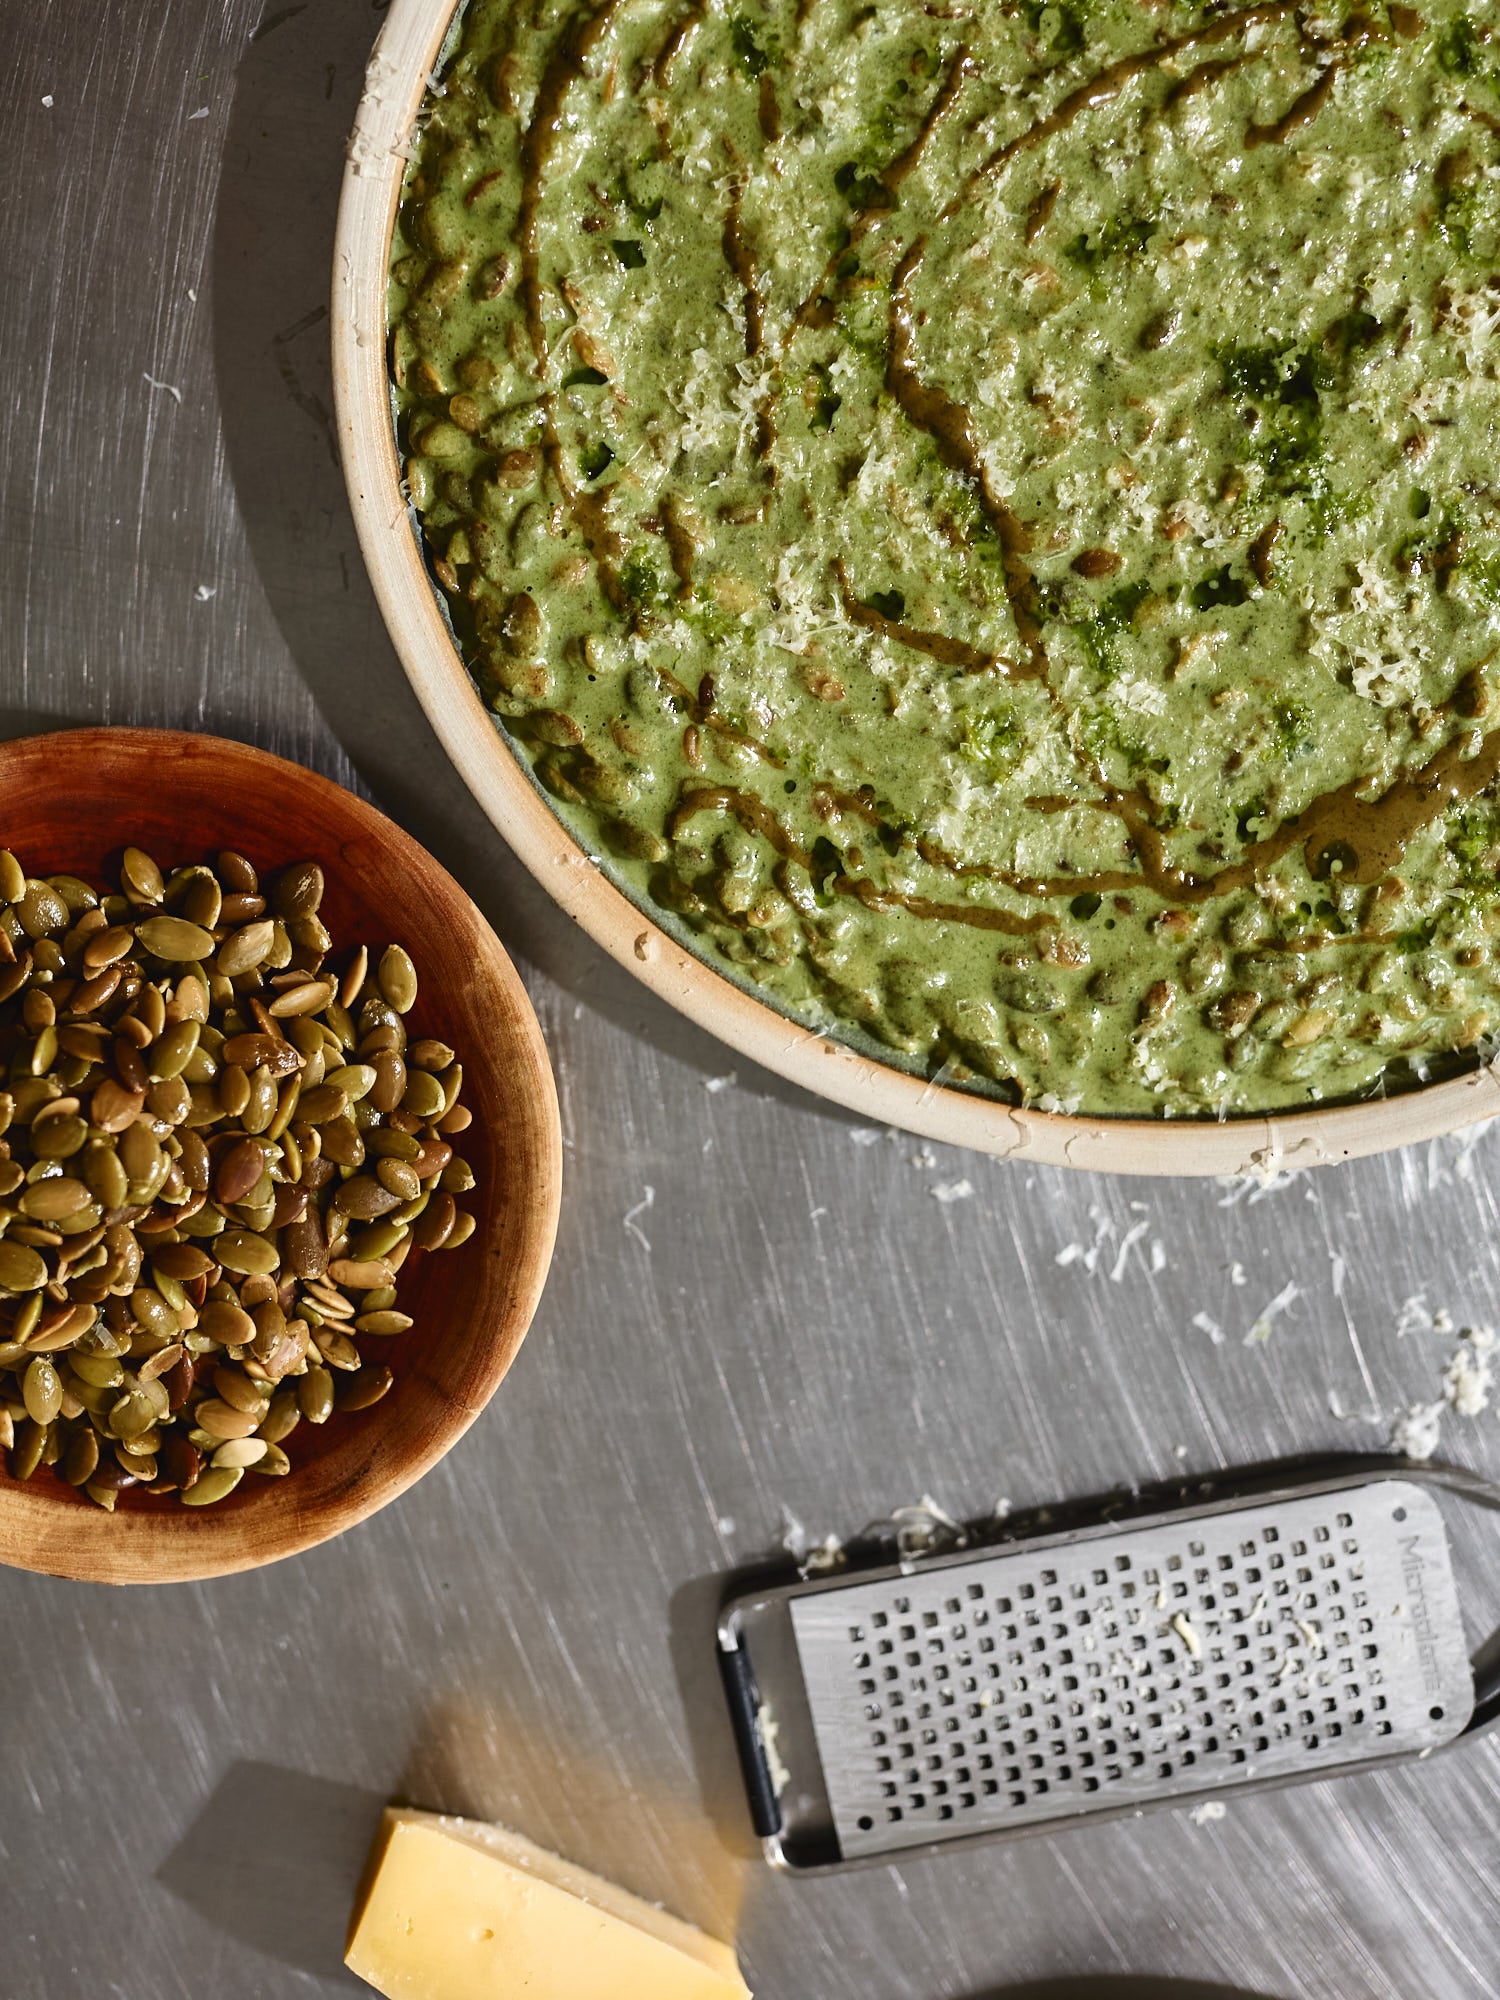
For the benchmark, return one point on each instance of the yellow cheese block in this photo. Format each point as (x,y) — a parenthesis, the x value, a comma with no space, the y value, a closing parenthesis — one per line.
(455,1910)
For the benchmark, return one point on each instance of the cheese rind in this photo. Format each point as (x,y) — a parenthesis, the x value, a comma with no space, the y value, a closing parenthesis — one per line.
(456,1910)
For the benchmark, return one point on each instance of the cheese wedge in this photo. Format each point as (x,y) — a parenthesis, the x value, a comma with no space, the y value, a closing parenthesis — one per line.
(455,1910)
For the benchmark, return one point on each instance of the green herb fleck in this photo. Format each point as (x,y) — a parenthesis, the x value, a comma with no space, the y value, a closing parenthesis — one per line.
(754,53)
(1458,49)
(1473,840)
(1121,236)
(641,584)
(992,738)
(1291,729)
(1100,632)
(632,257)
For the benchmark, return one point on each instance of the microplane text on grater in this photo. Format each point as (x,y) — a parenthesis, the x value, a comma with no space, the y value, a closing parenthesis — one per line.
(1115,1667)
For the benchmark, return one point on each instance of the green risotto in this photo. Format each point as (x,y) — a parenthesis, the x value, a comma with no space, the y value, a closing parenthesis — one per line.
(985,515)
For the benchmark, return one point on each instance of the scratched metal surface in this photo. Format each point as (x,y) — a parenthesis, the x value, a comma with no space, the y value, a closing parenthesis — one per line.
(757,1308)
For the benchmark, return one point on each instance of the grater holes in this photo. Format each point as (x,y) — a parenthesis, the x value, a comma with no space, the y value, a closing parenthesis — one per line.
(1096,1673)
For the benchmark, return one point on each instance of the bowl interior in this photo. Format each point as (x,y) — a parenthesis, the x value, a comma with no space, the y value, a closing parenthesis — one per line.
(72,802)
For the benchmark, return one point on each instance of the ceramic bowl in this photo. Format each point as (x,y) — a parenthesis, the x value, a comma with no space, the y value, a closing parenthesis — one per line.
(404,58)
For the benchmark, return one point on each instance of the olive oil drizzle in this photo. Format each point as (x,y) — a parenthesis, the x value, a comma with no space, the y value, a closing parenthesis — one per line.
(1112,82)
(817,308)
(564,68)
(951,428)
(737,255)
(939,646)
(677,42)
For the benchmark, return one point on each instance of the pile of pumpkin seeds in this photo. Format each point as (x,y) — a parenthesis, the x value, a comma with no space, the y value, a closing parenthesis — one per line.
(216,1154)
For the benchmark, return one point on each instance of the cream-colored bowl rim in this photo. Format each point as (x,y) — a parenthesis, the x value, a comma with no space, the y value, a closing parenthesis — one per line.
(400,66)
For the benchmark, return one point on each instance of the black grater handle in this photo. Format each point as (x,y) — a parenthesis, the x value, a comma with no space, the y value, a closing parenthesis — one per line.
(743,1697)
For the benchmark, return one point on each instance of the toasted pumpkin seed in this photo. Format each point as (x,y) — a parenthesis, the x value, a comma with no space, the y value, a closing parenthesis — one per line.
(240,1452)
(382,1323)
(360,1391)
(215,1484)
(215,1112)
(315,1395)
(175,940)
(243,1251)
(21,1269)
(41,1390)
(141,877)
(222,1420)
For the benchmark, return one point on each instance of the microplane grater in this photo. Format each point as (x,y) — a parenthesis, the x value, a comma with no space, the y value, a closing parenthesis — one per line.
(1251,1642)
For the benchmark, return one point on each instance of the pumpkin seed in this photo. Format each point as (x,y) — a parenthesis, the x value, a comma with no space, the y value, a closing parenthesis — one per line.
(299,890)
(239,1392)
(101,1371)
(154,1314)
(180,1462)
(241,1250)
(132,1416)
(140,876)
(21,1269)
(315,1395)
(170,1055)
(308,998)
(463,1228)
(187,1075)
(176,940)
(49,1201)
(382,1323)
(222,1420)
(227,1325)
(364,1197)
(81,1459)
(40,910)
(362,1390)
(41,1390)
(240,1453)
(281,1418)
(429,1054)
(360,1277)
(216,1484)
(424,1095)
(31,1442)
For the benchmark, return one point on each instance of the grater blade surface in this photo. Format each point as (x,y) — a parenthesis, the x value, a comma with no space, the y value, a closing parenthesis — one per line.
(1134,1664)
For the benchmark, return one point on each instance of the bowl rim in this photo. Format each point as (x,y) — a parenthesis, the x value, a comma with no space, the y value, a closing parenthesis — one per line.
(404,56)
(35,1529)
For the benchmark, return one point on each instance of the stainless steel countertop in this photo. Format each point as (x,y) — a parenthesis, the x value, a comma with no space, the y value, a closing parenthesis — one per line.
(758,1309)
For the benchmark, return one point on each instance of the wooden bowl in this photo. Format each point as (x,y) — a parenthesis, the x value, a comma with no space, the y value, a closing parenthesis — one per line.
(405,55)
(71,801)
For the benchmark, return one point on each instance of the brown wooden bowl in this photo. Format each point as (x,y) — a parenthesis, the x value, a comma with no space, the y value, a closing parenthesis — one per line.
(405,56)
(68,804)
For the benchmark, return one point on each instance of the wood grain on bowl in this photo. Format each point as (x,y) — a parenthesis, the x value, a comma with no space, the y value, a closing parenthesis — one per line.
(70,803)
(408,48)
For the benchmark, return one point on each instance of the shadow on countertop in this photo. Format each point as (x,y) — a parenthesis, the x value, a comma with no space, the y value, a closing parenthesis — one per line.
(1087,1987)
(274,1860)
(294,99)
